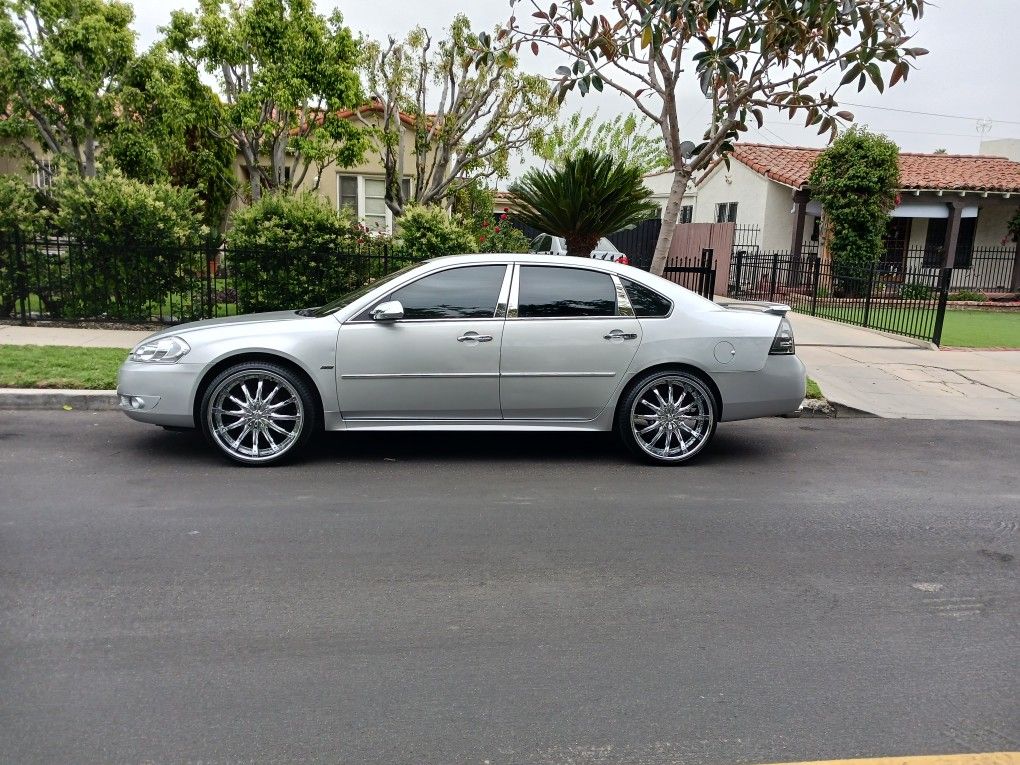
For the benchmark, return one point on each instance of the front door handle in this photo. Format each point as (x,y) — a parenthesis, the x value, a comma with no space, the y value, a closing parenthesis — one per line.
(619,334)
(467,337)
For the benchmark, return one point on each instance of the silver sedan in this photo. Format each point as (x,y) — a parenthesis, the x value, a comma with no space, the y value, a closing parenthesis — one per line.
(474,342)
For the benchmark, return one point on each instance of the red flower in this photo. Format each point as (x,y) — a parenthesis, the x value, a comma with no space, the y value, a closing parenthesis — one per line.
(504,216)
(506,209)
(485,224)
(481,238)
(495,229)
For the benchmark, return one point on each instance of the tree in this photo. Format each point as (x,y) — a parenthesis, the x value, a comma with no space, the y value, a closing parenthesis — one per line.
(747,55)
(285,72)
(60,64)
(171,130)
(855,180)
(481,114)
(626,137)
(590,197)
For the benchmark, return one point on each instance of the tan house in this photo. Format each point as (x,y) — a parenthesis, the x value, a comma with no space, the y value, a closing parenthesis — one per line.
(361,187)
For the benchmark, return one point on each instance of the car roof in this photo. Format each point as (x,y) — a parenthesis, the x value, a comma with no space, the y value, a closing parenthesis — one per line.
(633,273)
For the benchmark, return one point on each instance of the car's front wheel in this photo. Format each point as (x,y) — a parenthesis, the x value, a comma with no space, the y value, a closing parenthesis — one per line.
(667,417)
(258,413)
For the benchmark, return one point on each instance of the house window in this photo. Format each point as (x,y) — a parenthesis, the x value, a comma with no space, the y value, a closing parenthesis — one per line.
(687,214)
(366,198)
(935,239)
(45,170)
(726,212)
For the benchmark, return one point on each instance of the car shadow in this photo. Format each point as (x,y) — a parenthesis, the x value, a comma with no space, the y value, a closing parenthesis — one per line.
(731,444)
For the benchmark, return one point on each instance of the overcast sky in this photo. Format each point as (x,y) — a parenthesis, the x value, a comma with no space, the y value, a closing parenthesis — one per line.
(970,74)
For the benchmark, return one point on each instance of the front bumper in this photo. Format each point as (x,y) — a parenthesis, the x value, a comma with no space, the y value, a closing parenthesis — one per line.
(778,388)
(161,394)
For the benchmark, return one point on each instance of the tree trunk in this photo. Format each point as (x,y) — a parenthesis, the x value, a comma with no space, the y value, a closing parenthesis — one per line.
(580,245)
(669,218)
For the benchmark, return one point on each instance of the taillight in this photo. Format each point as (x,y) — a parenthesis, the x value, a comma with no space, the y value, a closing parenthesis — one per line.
(783,343)
(624,260)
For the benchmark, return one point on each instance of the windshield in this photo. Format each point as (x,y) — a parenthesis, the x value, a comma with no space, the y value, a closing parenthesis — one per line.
(347,298)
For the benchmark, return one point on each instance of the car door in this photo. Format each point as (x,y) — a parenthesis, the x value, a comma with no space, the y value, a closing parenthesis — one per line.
(569,337)
(439,361)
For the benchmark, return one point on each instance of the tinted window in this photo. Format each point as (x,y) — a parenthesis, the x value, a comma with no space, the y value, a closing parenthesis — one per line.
(565,292)
(459,293)
(646,302)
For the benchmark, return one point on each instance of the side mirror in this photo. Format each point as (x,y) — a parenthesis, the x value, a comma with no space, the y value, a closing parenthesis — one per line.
(388,311)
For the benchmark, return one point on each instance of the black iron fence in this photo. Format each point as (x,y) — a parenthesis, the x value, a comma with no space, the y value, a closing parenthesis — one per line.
(61,279)
(695,273)
(911,303)
(980,269)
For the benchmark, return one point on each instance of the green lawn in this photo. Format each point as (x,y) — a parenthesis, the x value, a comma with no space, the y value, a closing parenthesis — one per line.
(58,366)
(813,391)
(962,328)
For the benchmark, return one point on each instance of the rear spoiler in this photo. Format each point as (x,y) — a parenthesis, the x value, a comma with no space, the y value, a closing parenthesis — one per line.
(777,309)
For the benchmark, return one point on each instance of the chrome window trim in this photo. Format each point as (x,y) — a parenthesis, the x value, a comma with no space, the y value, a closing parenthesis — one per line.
(495,316)
(515,287)
(623,306)
(513,308)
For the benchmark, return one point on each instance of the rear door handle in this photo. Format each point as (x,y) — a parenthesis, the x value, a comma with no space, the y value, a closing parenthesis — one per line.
(467,337)
(619,334)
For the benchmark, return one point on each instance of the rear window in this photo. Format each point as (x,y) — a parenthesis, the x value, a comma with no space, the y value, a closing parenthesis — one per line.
(646,302)
(547,291)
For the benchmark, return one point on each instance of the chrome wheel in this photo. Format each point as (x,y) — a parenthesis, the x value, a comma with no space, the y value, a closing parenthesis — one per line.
(672,417)
(255,416)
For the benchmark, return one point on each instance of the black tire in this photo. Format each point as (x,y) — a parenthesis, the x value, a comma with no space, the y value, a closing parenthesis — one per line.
(285,420)
(692,416)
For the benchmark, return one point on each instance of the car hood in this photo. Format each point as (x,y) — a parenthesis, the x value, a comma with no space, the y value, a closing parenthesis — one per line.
(248,318)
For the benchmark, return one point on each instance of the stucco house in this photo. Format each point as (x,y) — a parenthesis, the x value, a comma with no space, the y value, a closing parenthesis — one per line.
(966,199)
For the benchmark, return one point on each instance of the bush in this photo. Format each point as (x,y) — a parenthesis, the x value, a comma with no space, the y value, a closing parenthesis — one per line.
(474,206)
(130,245)
(855,180)
(426,232)
(297,250)
(970,295)
(19,215)
(915,291)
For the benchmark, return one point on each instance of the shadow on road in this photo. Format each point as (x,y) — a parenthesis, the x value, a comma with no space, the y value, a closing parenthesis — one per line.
(733,443)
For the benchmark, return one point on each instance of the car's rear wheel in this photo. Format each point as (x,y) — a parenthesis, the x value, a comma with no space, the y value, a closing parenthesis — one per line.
(258,413)
(667,417)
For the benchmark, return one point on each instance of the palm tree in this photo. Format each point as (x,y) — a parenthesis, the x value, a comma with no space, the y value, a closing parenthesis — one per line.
(588,198)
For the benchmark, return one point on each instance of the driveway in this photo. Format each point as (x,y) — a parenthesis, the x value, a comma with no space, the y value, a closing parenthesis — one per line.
(807,590)
(892,377)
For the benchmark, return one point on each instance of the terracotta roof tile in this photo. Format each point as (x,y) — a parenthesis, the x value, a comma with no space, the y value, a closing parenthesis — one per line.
(791,166)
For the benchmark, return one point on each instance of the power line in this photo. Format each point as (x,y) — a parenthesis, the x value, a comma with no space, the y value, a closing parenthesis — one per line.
(925,114)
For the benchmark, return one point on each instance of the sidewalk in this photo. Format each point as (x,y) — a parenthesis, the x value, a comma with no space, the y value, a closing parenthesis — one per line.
(84,338)
(896,378)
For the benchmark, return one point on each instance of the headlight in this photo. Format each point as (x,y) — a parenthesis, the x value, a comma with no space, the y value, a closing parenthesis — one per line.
(165,350)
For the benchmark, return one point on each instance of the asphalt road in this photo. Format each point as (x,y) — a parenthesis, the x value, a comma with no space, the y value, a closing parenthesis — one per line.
(810,589)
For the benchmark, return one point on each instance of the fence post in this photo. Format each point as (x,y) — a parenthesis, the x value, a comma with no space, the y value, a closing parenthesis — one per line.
(945,277)
(816,268)
(210,275)
(867,297)
(20,274)
(736,271)
(775,276)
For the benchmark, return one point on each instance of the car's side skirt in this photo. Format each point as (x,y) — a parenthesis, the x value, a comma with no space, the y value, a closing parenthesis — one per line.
(601,423)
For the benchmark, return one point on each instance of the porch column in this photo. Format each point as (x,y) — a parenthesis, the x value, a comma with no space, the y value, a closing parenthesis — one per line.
(952,232)
(800,200)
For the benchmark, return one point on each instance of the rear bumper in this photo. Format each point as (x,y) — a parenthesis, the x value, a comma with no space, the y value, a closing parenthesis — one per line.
(776,389)
(161,394)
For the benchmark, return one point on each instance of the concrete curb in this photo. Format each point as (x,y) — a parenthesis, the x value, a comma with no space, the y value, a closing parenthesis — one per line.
(40,398)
